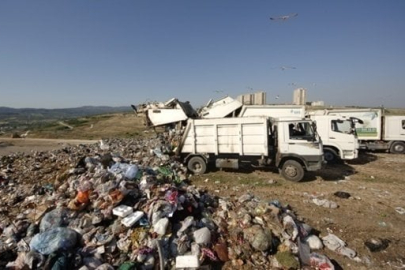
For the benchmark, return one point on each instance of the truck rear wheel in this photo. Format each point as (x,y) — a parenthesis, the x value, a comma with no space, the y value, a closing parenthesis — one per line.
(197,165)
(330,155)
(398,148)
(292,171)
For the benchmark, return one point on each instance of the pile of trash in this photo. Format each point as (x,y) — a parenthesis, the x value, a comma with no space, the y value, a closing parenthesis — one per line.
(130,205)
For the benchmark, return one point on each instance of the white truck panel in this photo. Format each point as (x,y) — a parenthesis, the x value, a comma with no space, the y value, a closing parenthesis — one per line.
(248,136)
(160,117)
(274,111)
(394,128)
(220,108)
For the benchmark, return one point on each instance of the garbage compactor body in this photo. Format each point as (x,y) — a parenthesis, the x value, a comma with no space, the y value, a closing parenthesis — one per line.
(257,141)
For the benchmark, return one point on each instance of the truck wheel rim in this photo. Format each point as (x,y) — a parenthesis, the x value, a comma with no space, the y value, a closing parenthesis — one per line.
(291,171)
(399,148)
(328,156)
(196,167)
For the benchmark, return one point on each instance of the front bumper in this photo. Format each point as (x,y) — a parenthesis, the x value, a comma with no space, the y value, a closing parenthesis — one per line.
(314,163)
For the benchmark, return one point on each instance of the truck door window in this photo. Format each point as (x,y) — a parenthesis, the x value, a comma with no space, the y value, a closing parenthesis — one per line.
(301,131)
(403,124)
(342,126)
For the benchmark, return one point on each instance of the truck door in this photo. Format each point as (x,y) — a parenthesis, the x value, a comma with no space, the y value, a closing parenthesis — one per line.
(342,136)
(302,140)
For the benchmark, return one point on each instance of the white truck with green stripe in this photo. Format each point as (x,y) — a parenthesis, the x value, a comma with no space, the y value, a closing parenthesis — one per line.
(378,131)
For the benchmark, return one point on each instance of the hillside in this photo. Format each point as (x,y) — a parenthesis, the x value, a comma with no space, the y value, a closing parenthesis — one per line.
(121,125)
(30,114)
(19,120)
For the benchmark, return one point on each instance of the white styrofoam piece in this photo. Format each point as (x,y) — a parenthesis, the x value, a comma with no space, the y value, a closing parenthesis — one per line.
(187,261)
(122,210)
(132,218)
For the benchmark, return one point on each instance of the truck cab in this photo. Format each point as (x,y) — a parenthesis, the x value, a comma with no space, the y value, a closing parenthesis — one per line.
(297,142)
(338,136)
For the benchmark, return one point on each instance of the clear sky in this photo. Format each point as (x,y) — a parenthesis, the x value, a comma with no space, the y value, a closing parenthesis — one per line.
(69,53)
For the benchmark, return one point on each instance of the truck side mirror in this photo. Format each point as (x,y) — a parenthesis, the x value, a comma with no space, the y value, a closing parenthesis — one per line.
(314,126)
(356,120)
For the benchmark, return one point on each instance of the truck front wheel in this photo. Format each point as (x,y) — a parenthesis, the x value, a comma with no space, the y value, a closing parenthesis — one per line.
(292,171)
(398,148)
(330,155)
(197,165)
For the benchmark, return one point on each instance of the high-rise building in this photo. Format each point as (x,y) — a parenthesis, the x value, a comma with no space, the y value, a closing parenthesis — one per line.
(258,98)
(300,96)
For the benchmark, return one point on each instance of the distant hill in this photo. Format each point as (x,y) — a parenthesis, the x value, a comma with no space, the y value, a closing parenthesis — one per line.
(31,114)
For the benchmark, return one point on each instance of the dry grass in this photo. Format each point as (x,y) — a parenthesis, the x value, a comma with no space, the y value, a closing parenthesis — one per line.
(122,125)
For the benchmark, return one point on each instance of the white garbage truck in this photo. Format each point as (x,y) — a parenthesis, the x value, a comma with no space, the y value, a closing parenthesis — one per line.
(337,143)
(260,141)
(377,131)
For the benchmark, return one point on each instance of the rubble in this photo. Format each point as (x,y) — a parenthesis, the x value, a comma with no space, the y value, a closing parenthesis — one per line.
(174,111)
(129,206)
(163,113)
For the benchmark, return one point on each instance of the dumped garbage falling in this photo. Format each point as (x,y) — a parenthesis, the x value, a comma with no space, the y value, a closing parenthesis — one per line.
(128,206)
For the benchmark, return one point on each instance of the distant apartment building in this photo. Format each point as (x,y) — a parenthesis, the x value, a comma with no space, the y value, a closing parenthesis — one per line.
(300,96)
(318,103)
(258,98)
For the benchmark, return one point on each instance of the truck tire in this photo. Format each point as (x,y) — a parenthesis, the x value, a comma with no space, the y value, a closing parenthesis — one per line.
(197,165)
(398,148)
(292,171)
(330,155)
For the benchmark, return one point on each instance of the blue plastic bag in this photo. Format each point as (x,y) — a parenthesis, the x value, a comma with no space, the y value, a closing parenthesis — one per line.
(54,240)
(131,172)
(56,218)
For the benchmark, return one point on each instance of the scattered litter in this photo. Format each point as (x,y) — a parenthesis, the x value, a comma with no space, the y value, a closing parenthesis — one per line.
(124,204)
(342,194)
(382,224)
(400,210)
(187,261)
(122,211)
(54,240)
(375,245)
(325,203)
(130,220)
(319,261)
(314,242)
(334,243)
(272,181)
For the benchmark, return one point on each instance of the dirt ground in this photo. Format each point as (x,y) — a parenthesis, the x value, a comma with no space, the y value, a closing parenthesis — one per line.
(8,145)
(375,183)
(377,187)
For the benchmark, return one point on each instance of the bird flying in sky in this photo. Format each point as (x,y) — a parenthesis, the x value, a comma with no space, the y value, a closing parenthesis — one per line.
(284,17)
(286,67)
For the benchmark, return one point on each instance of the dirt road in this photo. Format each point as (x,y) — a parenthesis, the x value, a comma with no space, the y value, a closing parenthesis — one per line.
(8,146)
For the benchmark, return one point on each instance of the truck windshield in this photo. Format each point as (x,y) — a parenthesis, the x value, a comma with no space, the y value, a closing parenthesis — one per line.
(301,130)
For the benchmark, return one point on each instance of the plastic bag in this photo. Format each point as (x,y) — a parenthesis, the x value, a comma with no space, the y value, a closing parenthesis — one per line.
(160,226)
(118,168)
(319,261)
(56,218)
(83,196)
(54,240)
(131,172)
(202,236)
